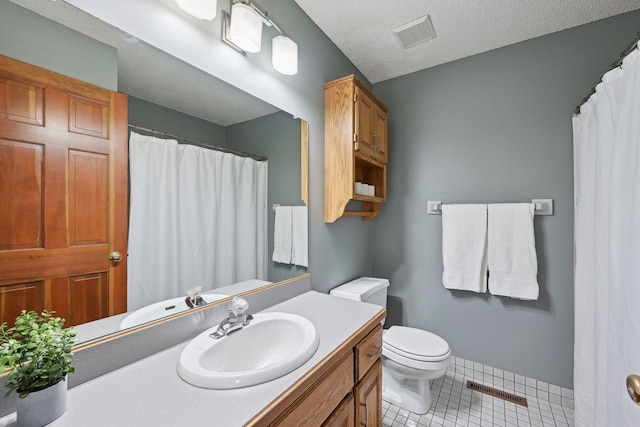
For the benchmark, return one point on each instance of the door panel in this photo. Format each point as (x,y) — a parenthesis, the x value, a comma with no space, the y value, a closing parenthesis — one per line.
(27,296)
(81,299)
(88,198)
(88,117)
(21,188)
(63,144)
(21,102)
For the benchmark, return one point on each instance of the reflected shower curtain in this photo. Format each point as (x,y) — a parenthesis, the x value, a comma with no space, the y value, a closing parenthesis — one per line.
(198,217)
(607,249)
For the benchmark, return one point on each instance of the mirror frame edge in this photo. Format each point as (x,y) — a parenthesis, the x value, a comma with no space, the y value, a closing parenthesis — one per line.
(124,332)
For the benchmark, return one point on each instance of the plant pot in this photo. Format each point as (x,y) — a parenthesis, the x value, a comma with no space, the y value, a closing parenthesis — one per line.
(42,407)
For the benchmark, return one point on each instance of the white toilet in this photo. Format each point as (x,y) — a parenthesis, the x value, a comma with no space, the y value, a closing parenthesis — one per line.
(410,357)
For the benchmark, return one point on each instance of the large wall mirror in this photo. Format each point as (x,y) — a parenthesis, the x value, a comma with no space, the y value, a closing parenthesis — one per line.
(169,99)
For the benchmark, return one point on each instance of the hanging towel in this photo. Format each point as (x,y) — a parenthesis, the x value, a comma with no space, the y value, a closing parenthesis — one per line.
(464,247)
(282,234)
(300,232)
(512,261)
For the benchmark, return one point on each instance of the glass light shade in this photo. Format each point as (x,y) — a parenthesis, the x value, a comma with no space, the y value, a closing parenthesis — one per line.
(284,55)
(245,30)
(201,9)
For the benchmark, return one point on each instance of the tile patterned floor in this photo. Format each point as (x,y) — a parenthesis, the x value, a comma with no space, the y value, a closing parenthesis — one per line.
(454,405)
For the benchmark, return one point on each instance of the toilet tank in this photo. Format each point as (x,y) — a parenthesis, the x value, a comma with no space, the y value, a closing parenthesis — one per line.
(366,289)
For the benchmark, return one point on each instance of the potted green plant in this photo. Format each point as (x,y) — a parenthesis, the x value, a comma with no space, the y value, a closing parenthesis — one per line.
(37,352)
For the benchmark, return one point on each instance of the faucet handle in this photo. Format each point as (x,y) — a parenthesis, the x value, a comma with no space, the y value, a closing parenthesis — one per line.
(194,292)
(238,306)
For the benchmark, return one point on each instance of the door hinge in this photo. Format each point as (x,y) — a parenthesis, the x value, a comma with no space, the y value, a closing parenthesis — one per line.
(355,97)
(355,137)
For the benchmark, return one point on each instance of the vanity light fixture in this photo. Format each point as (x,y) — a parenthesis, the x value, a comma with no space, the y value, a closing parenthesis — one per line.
(245,30)
(284,55)
(201,9)
(242,30)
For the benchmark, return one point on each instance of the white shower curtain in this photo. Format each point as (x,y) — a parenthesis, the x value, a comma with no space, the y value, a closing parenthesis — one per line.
(198,217)
(607,249)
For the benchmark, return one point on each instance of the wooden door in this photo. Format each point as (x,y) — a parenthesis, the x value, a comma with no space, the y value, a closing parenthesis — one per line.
(369,397)
(63,195)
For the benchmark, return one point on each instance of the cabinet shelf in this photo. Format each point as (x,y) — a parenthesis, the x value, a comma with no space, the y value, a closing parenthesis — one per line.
(372,199)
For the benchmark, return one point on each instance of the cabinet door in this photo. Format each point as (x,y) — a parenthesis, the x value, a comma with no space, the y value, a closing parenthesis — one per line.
(364,107)
(322,398)
(380,134)
(344,415)
(369,398)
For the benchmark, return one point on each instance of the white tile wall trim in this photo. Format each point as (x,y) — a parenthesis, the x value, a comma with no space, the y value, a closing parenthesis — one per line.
(454,405)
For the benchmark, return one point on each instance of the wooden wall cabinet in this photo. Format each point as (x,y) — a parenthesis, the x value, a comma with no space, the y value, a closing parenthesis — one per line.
(347,391)
(355,148)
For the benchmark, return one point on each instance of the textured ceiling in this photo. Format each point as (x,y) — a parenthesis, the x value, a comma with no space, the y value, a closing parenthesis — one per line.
(152,75)
(363,29)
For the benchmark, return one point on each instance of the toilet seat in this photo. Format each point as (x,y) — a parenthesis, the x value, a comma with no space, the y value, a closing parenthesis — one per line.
(415,344)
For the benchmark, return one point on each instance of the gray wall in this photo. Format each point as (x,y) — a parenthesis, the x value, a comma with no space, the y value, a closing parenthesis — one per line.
(277,137)
(153,116)
(495,127)
(31,38)
(340,251)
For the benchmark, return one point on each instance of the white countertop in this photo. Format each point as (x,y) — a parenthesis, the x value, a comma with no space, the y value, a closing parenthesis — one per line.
(150,392)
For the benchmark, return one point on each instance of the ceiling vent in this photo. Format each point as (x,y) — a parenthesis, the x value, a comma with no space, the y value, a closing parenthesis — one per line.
(415,32)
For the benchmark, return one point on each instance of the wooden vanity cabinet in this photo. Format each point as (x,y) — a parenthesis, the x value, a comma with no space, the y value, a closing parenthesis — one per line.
(344,390)
(355,148)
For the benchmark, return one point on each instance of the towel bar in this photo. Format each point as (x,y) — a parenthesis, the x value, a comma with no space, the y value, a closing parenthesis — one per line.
(541,207)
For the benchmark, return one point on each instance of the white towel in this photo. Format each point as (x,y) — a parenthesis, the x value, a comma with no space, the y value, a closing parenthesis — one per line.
(464,247)
(282,233)
(300,237)
(513,265)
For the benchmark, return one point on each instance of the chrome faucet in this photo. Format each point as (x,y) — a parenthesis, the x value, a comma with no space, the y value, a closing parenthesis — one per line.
(193,298)
(236,320)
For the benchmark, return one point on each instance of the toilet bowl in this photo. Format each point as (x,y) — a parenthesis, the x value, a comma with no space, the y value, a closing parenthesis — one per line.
(411,357)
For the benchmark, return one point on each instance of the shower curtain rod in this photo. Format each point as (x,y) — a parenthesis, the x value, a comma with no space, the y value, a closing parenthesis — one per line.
(189,141)
(632,46)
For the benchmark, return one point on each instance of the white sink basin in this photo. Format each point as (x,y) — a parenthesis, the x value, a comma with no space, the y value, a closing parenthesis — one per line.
(162,309)
(271,346)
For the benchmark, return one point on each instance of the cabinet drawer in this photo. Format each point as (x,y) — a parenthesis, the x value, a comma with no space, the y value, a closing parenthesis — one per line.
(368,351)
(318,403)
